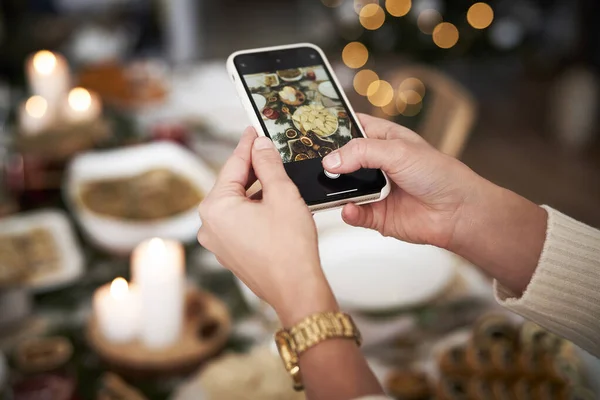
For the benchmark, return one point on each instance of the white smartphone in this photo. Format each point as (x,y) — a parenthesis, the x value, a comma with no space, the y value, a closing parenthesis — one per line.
(293,97)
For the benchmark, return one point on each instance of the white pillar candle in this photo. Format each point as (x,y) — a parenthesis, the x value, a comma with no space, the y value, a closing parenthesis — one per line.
(34,116)
(82,106)
(158,270)
(116,309)
(48,76)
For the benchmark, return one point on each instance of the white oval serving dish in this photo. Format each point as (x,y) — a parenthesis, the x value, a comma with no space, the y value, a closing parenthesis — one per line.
(121,235)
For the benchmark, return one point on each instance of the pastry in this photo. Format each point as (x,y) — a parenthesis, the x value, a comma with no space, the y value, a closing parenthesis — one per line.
(530,364)
(453,361)
(479,389)
(534,338)
(562,370)
(494,328)
(502,390)
(408,385)
(479,359)
(524,390)
(452,388)
(504,358)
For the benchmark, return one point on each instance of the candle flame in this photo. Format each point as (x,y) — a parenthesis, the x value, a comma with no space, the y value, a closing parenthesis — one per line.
(80,99)
(44,62)
(36,106)
(119,288)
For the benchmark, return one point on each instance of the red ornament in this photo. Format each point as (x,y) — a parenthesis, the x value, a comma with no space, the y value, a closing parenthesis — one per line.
(311,75)
(270,113)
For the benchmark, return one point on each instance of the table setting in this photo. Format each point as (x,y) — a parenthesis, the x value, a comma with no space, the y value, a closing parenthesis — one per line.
(105,293)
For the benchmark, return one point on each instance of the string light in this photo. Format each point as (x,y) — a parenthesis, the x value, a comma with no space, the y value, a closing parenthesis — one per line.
(355,55)
(44,62)
(480,15)
(380,93)
(372,16)
(398,8)
(363,79)
(445,35)
(428,20)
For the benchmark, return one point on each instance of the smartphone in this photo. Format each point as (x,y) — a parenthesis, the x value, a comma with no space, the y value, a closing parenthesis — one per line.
(293,97)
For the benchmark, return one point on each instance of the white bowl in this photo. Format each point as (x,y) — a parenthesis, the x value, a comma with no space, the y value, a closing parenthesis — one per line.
(57,223)
(119,235)
(372,273)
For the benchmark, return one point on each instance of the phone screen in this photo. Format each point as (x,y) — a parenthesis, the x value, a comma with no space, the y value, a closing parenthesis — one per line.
(302,111)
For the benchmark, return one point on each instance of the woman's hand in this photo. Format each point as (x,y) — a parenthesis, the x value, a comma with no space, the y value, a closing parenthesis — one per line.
(436,199)
(271,243)
(429,188)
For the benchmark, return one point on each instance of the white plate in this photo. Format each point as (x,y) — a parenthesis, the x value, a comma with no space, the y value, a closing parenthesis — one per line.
(326,89)
(294,79)
(71,259)
(260,101)
(369,272)
(120,235)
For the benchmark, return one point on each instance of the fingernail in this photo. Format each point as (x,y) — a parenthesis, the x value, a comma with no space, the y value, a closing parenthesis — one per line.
(262,143)
(332,160)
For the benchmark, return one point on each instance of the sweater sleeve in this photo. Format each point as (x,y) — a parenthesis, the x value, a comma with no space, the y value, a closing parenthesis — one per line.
(564,293)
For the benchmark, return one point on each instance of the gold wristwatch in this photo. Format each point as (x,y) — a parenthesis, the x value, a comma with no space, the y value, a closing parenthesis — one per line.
(309,332)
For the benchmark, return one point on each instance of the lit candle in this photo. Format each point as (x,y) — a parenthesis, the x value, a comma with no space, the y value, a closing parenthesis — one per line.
(34,115)
(158,270)
(48,76)
(82,106)
(116,309)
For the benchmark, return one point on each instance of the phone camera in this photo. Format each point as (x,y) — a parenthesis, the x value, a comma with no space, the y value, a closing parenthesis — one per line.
(243,64)
(313,56)
(278,60)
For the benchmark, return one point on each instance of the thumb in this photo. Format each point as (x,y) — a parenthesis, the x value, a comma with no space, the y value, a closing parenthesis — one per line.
(366,153)
(268,166)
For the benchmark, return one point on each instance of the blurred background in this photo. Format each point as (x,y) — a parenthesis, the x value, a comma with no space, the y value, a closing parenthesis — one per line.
(116,115)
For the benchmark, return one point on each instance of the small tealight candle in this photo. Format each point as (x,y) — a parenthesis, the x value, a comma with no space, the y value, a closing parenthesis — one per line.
(116,309)
(34,115)
(158,270)
(48,76)
(82,106)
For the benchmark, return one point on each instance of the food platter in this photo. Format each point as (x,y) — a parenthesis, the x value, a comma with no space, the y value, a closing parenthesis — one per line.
(290,75)
(305,118)
(291,96)
(369,272)
(327,89)
(259,100)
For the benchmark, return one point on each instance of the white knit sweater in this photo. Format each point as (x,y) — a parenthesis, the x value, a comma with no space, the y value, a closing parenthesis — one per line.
(564,293)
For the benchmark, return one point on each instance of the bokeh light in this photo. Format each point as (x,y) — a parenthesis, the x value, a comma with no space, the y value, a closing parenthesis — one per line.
(44,62)
(390,109)
(445,35)
(398,8)
(380,93)
(372,16)
(355,55)
(332,3)
(480,15)
(359,4)
(119,288)
(363,79)
(414,84)
(36,106)
(409,103)
(428,20)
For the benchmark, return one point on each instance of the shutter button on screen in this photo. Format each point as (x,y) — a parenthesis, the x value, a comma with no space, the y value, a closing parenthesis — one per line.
(331,175)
